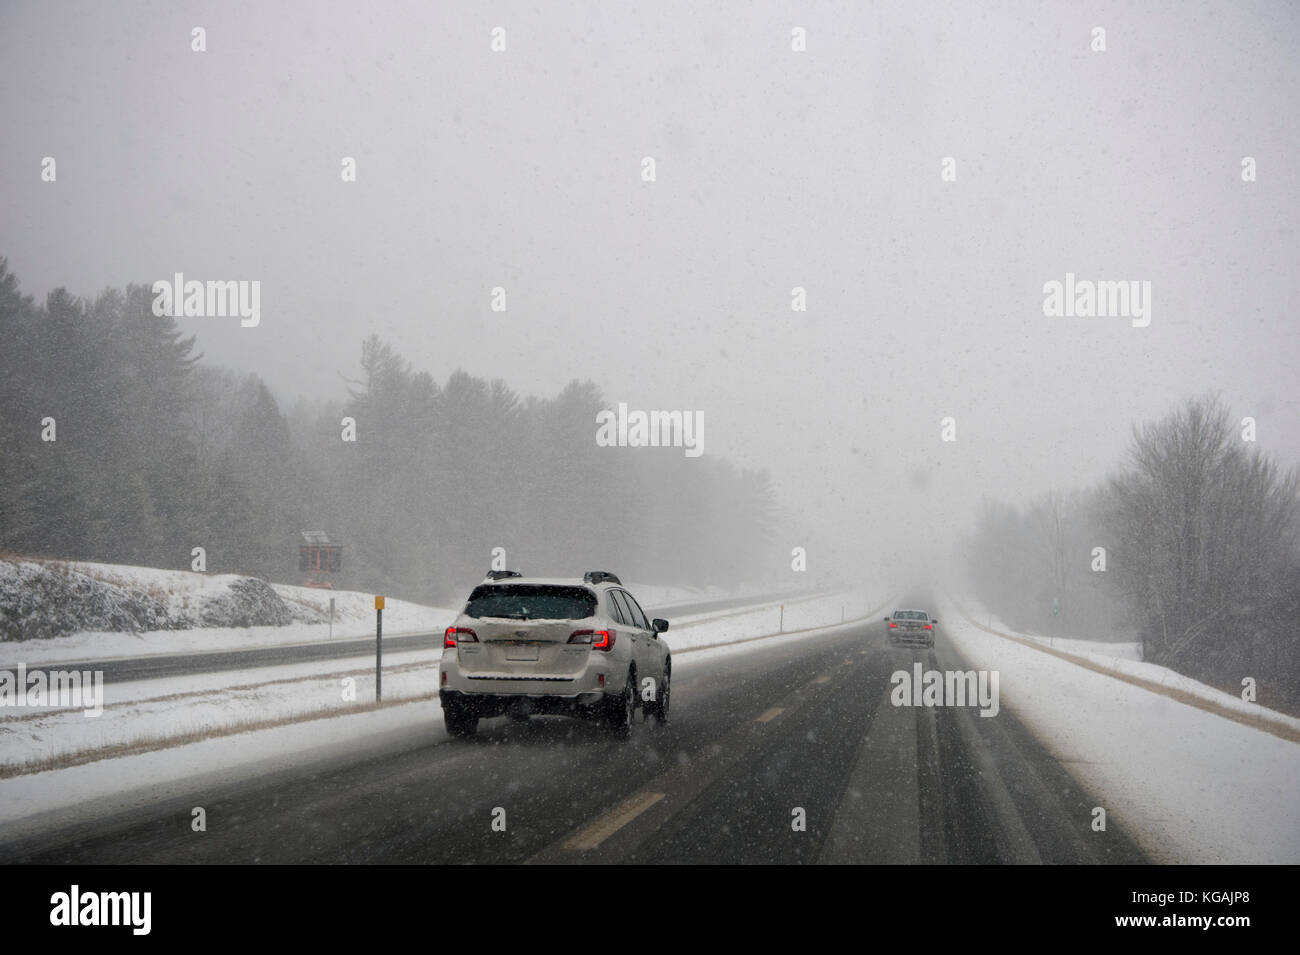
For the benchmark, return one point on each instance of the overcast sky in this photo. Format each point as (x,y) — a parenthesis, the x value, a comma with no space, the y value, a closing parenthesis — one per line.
(775,169)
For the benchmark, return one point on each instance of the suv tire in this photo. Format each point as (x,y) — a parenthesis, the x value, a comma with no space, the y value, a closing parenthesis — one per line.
(458,720)
(622,708)
(659,708)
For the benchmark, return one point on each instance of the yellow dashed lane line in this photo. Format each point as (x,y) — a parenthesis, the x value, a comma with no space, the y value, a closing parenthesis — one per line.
(612,821)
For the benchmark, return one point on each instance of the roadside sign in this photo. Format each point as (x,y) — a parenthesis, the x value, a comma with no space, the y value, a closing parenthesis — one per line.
(379,603)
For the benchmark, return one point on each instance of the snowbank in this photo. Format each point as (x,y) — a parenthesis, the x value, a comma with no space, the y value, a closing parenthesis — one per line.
(156,611)
(1190,785)
(45,599)
(1125,660)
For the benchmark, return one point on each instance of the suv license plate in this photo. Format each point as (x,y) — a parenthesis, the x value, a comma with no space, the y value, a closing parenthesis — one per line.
(521,652)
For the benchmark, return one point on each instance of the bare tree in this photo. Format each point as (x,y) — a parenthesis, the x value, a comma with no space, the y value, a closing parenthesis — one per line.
(1205,531)
(1050,517)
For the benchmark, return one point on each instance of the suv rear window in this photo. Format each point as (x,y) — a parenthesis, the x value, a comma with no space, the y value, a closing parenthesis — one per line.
(531,602)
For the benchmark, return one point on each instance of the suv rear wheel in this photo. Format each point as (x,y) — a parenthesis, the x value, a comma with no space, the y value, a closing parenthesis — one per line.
(458,720)
(622,708)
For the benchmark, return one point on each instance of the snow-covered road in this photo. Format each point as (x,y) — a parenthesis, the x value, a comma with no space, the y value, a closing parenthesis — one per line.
(1191,785)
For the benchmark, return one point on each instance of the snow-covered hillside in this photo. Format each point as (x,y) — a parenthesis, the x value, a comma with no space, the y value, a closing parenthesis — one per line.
(53,607)
(41,599)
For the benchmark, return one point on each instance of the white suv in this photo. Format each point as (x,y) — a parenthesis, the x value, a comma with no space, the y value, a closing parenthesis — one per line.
(529,646)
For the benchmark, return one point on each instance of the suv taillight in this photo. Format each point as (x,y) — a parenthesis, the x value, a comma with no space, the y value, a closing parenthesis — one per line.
(467,635)
(927,626)
(598,639)
(892,624)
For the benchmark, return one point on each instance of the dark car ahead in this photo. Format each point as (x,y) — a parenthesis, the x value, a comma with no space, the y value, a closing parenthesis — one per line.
(912,628)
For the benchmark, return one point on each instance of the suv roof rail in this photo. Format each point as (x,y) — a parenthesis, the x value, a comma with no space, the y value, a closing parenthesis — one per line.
(502,574)
(600,577)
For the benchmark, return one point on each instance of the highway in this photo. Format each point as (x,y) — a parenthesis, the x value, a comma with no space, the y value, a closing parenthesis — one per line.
(788,730)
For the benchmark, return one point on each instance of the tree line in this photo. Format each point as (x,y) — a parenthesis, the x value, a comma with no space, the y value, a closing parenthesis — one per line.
(118,445)
(1192,545)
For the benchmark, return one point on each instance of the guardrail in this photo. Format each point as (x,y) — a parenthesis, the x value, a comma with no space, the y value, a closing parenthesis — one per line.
(1279,725)
(781,620)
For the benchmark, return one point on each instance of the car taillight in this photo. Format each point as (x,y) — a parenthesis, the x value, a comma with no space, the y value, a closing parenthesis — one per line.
(466,635)
(598,639)
(892,624)
(927,626)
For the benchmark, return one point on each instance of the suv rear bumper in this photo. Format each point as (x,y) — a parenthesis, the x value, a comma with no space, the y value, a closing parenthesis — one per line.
(486,705)
(600,676)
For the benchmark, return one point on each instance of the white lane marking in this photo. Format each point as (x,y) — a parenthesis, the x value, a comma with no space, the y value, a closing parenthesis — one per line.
(824,678)
(610,823)
(771,714)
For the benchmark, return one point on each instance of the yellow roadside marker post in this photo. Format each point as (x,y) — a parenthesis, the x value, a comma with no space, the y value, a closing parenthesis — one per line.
(379,648)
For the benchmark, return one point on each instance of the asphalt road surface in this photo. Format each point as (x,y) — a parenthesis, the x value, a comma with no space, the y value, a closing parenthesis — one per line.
(789,729)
